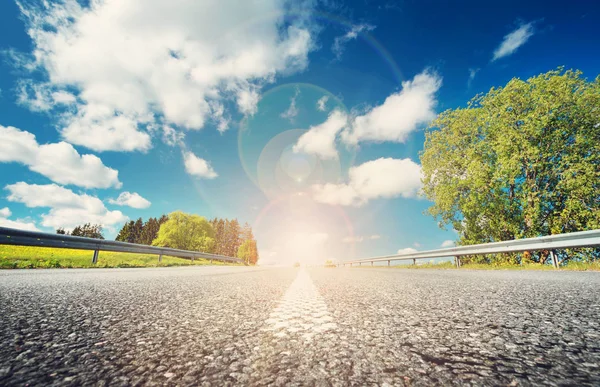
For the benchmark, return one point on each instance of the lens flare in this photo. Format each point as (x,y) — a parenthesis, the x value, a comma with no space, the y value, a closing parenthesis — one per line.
(266,140)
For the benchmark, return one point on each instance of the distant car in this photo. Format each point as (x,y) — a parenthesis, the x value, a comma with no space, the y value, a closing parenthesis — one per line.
(297,264)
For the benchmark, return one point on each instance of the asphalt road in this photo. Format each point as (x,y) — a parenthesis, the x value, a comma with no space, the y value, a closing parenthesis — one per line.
(253,326)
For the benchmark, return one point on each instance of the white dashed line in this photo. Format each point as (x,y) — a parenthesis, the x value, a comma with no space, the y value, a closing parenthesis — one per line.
(301,312)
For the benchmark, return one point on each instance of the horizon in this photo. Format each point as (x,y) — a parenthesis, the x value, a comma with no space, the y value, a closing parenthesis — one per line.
(305,122)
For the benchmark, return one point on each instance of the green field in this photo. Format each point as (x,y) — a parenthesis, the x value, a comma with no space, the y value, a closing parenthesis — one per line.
(22,257)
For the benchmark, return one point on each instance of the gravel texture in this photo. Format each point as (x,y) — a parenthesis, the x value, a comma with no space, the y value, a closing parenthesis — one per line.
(219,326)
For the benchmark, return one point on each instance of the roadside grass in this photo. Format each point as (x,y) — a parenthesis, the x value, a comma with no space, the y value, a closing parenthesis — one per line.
(24,257)
(572,266)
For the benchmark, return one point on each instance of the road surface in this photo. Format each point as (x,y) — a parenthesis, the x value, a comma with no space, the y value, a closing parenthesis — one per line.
(255,326)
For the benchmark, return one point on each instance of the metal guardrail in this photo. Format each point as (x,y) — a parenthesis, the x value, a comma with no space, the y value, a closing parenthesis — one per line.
(551,242)
(9,236)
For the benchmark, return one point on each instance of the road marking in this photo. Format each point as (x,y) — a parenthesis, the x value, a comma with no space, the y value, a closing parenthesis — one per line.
(302,312)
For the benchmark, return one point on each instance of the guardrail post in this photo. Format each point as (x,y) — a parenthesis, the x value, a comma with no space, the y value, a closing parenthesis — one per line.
(159,258)
(554,259)
(415,261)
(211,261)
(457,260)
(371,263)
(360,264)
(388,262)
(95,257)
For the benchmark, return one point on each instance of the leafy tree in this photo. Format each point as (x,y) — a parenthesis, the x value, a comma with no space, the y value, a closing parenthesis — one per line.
(89,231)
(187,232)
(248,252)
(61,231)
(520,161)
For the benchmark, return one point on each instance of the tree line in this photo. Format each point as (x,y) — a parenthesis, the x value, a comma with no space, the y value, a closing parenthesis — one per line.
(184,231)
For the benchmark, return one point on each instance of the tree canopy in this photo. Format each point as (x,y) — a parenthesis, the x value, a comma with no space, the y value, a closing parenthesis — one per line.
(520,161)
(187,232)
(87,230)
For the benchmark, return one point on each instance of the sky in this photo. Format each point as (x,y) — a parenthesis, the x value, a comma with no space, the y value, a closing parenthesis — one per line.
(303,118)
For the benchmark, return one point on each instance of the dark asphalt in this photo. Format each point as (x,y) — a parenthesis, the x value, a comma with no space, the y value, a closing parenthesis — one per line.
(254,326)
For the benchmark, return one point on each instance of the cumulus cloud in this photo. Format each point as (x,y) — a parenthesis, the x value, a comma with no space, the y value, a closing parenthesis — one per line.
(18,224)
(319,140)
(198,167)
(5,212)
(59,162)
(67,209)
(361,238)
(514,40)
(400,114)
(339,43)
(322,102)
(447,243)
(407,250)
(381,178)
(141,63)
(131,199)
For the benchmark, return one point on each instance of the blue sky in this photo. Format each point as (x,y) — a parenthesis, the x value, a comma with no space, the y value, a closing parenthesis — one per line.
(304,119)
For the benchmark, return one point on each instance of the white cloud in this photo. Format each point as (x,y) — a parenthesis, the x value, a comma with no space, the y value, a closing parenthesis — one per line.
(172,136)
(67,209)
(5,212)
(339,43)
(131,199)
(247,101)
(292,111)
(136,63)
(63,97)
(514,40)
(320,140)
(400,114)
(361,238)
(59,162)
(381,178)
(447,243)
(407,250)
(36,97)
(472,74)
(321,103)
(198,167)
(18,224)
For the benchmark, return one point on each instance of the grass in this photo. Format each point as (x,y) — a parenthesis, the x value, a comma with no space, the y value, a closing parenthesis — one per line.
(573,266)
(23,257)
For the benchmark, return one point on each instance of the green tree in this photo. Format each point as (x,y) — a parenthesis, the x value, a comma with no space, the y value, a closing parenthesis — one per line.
(88,231)
(135,234)
(149,231)
(61,231)
(520,161)
(187,232)
(248,252)
(124,234)
(231,238)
